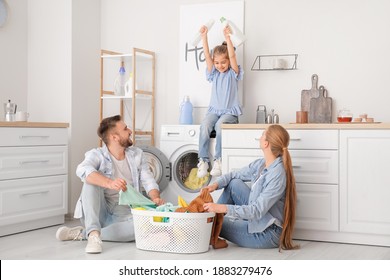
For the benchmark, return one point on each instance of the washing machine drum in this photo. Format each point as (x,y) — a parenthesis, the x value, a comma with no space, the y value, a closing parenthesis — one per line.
(159,165)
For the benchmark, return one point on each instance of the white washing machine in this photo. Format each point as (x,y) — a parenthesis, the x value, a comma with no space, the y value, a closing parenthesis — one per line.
(175,169)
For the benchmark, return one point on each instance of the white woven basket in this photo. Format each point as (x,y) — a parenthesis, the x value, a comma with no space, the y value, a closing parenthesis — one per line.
(172,232)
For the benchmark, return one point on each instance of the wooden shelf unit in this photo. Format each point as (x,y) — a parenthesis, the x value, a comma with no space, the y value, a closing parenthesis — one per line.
(136,93)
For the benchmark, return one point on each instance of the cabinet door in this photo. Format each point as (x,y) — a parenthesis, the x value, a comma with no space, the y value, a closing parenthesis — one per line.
(317,207)
(365,181)
(235,159)
(23,162)
(32,199)
(315,166)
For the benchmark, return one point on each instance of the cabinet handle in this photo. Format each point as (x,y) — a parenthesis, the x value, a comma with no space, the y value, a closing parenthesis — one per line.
(257,139)
(295,139)
(296,166)
(33,161)
(34,193)
(33,136)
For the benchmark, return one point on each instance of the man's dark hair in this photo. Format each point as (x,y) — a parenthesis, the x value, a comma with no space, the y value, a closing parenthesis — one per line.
(106,125)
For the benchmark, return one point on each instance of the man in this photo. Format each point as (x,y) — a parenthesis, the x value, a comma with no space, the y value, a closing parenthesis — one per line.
(105,171)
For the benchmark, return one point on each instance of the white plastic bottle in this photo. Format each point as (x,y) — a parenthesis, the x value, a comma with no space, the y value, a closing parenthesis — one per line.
(120,81)
(236,36)
(129,85)
(198,36)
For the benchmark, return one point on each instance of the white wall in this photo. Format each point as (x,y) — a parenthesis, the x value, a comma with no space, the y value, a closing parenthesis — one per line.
(345,42)
(13,56)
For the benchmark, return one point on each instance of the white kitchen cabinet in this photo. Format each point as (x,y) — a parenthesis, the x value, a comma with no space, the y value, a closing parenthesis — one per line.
(33,176)
(365,182)
(314,156)
(342,177)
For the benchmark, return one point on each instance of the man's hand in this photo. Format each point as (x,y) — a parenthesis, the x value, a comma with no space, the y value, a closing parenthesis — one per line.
(155,197)
(117,184)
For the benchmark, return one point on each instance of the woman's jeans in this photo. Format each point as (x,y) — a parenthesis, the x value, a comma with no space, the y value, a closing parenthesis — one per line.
(212,122)
(113,221)
(236,230)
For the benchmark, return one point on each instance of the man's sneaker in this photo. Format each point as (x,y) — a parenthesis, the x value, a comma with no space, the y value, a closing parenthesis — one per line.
(203,166)
(66,233)
(94,245)
(217,168)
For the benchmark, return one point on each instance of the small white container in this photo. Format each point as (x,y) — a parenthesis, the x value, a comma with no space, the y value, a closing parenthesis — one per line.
(172,232)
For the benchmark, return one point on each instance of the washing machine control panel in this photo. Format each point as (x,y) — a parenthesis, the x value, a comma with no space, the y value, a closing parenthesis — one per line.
(192,132)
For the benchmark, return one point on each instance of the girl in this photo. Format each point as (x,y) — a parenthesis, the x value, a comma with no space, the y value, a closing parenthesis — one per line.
(263,215)
(224,73)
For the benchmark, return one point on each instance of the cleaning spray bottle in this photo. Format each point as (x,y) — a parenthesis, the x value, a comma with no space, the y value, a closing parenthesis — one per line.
(186,111)
(198,36)
(119,83)
(236,35)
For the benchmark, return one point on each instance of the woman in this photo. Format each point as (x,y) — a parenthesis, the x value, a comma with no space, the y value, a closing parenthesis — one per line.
(263,215)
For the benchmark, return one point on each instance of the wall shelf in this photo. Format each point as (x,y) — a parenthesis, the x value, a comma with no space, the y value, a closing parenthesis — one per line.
(275,62)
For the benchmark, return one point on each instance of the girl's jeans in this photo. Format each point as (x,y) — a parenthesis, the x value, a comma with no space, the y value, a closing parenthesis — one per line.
(113,221)
(212,122)
(236,230)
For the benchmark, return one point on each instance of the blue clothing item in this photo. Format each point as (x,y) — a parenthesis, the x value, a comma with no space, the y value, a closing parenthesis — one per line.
(113,221)
(236,230)
(99,160)
(265,203)
(98,209)
(224,93)
(211,122)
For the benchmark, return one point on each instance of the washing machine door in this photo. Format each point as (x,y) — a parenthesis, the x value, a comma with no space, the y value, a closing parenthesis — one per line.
(159,165)
(184,169)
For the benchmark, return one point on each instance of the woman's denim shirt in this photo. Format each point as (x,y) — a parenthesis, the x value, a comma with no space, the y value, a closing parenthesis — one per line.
(99,160)
(267,196)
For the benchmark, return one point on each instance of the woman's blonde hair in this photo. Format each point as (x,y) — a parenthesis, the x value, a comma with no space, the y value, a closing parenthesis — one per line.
(279,139)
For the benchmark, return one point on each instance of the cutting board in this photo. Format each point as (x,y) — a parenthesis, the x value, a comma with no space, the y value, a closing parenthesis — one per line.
(307,95)
(321,108)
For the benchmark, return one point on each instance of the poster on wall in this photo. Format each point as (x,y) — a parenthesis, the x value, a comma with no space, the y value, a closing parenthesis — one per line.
(192,60)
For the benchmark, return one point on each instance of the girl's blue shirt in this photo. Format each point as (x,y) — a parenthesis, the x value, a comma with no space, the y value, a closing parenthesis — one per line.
(224,93)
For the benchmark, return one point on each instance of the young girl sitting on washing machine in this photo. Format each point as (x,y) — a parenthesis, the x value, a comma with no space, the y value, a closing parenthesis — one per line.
(224,73)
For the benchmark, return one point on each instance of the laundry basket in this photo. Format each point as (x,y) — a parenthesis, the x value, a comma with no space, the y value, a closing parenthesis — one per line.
(172,232)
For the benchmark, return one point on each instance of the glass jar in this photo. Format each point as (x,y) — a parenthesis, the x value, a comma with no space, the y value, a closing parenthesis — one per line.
(344,115)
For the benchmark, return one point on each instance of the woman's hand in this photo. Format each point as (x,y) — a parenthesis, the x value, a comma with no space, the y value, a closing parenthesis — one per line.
(212,187)
(214,207)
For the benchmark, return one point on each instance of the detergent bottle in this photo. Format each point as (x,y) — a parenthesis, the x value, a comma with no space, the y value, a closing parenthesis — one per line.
(129,85)
(236,35)
(186,111)
(120,81)
(198,36)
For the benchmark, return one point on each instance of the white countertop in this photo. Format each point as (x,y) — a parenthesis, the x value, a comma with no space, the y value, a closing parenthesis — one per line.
(352,125)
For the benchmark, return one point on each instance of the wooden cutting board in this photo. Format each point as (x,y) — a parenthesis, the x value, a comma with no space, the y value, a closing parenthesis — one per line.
(321,108)
(307,95)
